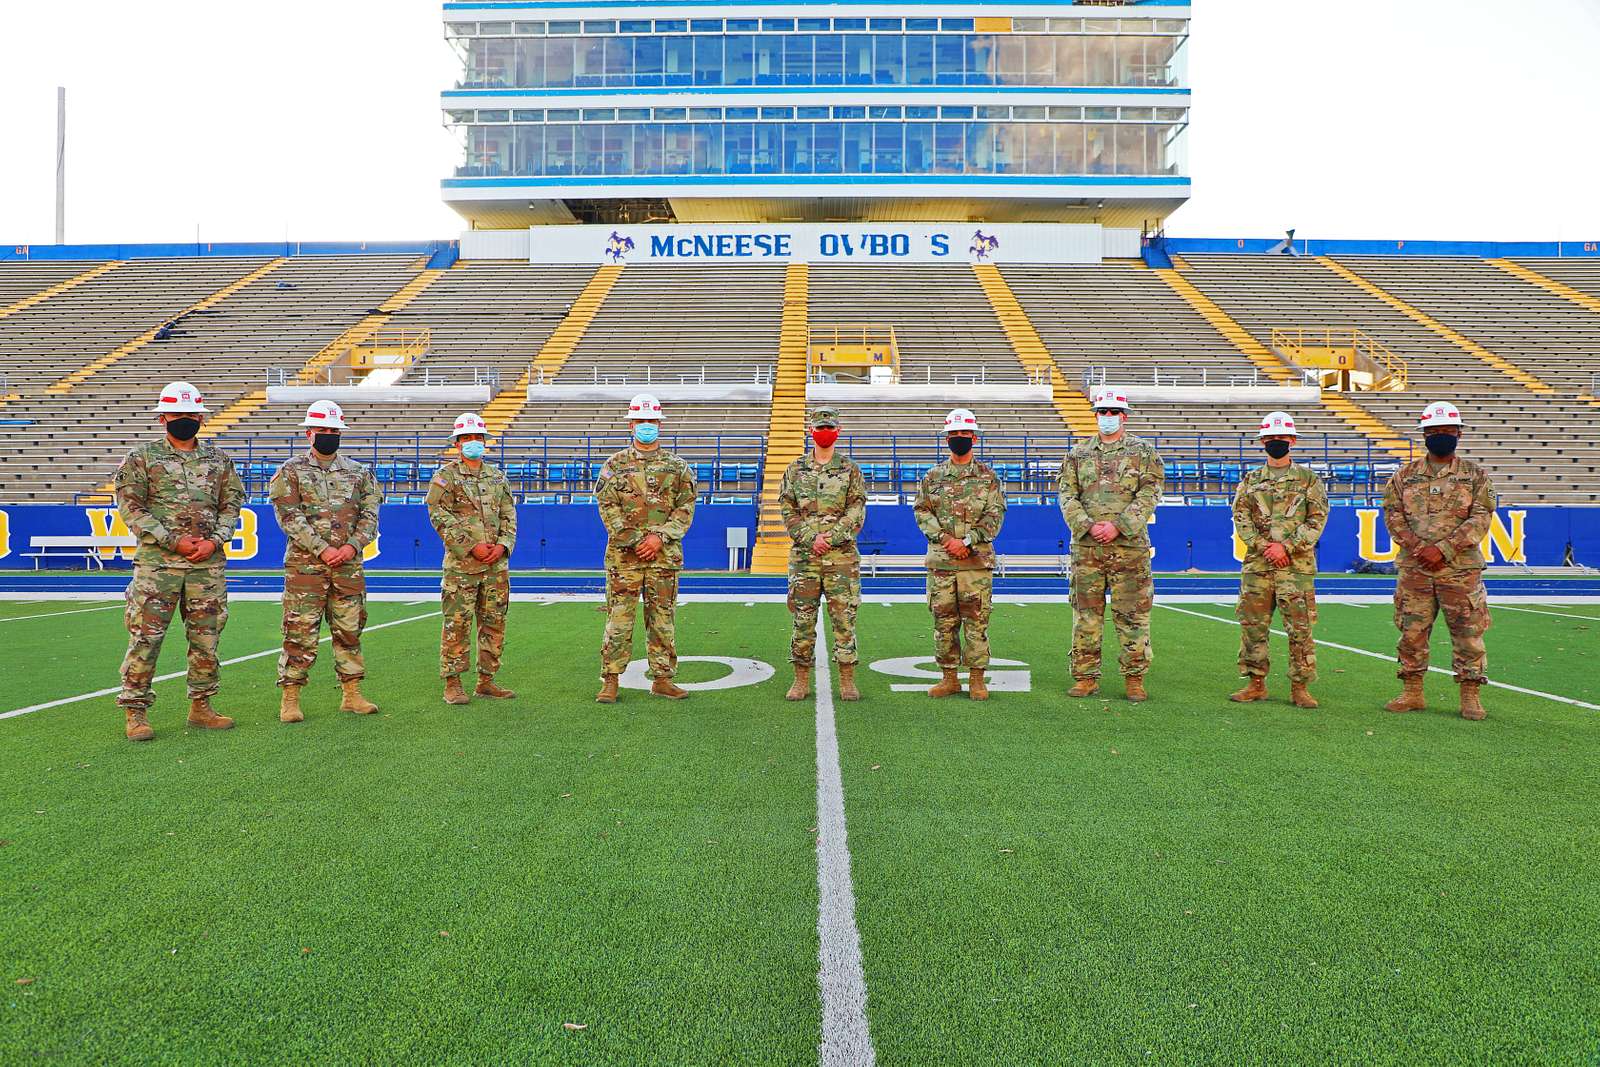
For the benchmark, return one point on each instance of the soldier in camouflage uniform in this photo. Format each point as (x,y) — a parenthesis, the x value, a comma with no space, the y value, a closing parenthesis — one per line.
(181,498)
(470,505)
(328,509)
(1438,510)
(960,506)
(1108,490)
(824,503)
(1278,515)
(646,497)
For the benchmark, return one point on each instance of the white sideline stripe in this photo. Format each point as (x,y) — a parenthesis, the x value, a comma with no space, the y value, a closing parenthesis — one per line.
(846,1041)
(53,614)
(179,674)
(1390,659)
(1536,611)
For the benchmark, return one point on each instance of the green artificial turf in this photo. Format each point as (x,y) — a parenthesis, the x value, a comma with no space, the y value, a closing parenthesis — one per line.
(1037,879)
(1047,880)
(428,884)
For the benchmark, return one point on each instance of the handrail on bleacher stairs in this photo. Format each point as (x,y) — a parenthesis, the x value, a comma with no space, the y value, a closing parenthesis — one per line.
(561,468)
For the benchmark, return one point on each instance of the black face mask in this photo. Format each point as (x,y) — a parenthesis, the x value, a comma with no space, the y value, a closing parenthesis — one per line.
(183,429)
(1277,449)
(961,445)
(1442,445)
(326,443)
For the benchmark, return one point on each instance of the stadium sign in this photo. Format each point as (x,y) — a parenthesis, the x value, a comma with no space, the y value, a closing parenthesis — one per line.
(963,242)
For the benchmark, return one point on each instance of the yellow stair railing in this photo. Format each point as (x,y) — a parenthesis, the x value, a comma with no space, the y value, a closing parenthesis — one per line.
(1031,351)
(60,287)
(553,354)
(1358,419)
(66,384)
(347,342)
(1422,318)
(786,426)
(1342,350)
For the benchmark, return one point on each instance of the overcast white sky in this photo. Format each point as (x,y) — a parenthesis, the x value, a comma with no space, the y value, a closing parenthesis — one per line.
(320,121)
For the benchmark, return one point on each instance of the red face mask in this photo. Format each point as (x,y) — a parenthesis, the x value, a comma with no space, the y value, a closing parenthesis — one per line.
(825,436)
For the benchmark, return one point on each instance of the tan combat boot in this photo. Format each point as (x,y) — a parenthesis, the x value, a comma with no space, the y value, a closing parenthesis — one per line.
(1301,697)
(453,693)
(138,728)
(1470,707)
(663,687)
(976,689)
(1410,698)
(847,682)
(1084,687)
(1255,689)
(201,715)
(487,688)
(948,686)
(608,690)
(802,684)
(1133,688)
(289,705)
(353,701)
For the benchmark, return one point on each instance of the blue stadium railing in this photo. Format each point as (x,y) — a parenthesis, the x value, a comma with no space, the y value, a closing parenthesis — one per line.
(561,468)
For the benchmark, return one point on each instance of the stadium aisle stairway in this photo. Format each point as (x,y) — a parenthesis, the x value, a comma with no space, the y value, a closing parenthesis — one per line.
(502,411)
(1069,402)
(19,282)
(786,427)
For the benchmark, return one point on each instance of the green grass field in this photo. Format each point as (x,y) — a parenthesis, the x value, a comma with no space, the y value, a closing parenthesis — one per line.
(1037,879)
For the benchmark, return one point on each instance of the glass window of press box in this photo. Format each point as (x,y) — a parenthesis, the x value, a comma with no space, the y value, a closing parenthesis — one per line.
(876,140)
(624,54)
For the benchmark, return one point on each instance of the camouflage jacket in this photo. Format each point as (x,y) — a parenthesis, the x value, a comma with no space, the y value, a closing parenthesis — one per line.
(830,498)
(643,493)
(1119,483)
(166,493)
(323,505)
(1284,504)
(965,501)
(470,507)
(1445,504)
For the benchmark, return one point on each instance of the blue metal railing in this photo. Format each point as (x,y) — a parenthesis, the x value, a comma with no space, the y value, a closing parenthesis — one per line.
(561,468)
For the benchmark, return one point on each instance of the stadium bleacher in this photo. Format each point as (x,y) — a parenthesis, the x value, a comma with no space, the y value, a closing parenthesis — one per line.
(676,323)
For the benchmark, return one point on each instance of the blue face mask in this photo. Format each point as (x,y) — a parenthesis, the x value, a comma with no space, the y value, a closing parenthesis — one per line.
(473,449)
(646,433)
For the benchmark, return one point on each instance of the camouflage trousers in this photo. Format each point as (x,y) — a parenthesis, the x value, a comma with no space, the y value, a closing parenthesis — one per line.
(313,592)
(200,597)
(1420,596)
(626,585)
(809,581)
(1121,572)
(1294,595)
(466,597)
(961,602)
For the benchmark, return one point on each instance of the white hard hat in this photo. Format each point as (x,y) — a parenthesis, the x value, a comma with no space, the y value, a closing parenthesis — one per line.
(180,397)
(1109,397)
(324,415)
(644,407)
(960,419)
(1439,413)
(1276,424)
(468,422)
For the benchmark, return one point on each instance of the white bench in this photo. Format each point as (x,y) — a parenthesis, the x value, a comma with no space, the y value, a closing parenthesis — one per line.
(877,564)
(1017,563)
(85,548)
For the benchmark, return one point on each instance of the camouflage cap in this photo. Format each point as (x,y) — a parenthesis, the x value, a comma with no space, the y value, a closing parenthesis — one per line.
(825,416)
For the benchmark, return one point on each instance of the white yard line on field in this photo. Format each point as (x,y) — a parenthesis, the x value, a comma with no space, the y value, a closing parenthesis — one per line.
(179,674)
(1390,659)
(53,614)
(1537,611)
(846,1040)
